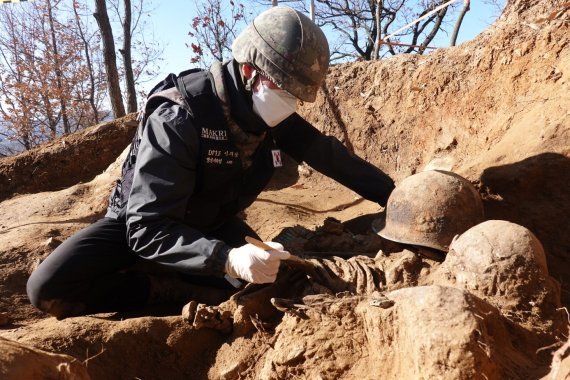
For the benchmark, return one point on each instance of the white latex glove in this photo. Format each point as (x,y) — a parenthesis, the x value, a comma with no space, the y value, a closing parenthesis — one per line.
(254,264)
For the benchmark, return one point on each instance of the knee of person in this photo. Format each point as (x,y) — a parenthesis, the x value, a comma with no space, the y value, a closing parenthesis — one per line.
(34,289)
(38,287)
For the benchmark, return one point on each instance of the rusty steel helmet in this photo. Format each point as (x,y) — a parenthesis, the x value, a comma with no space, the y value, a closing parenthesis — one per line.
(429,209)
(288,48)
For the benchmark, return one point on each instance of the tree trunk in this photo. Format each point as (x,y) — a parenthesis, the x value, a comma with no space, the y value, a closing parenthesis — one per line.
(110,58)
(377,41)
(89,66)
(126,53)
(465,9)
(58,74)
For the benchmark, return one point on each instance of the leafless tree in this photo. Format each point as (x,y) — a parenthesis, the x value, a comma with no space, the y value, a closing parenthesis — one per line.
(214,29)
(464,10)
(140,57)
(57,66)
(357,27)
(102,17)
(90,41)
(364,24)
(127,58)
(44,82)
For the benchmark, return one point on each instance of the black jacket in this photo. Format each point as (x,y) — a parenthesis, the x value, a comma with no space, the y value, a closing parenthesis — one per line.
(188,178)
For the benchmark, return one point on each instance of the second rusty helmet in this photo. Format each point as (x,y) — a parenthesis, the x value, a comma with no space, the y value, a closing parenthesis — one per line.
(429,209)
(288,48)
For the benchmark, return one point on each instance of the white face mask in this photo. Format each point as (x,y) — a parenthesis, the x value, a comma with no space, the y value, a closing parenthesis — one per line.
(273,105)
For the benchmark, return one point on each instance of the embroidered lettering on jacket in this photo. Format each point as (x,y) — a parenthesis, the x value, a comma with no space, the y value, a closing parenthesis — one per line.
(212,134)
(217,157)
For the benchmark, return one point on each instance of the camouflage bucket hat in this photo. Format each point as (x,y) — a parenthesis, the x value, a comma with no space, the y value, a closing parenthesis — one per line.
(288,48)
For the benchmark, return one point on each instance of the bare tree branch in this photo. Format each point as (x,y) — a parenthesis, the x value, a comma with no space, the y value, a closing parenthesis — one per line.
(213,32)
(464,10)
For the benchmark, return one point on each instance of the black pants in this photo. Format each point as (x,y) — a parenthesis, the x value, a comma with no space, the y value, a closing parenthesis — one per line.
(88,274)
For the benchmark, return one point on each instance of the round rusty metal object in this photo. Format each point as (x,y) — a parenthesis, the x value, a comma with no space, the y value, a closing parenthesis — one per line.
(429,209)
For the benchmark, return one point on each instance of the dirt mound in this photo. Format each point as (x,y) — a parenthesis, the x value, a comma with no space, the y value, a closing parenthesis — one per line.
(429,332)
(20,362)
(81,156)
(494,110)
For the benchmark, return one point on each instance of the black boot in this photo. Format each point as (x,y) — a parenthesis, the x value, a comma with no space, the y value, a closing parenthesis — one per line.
(172,289)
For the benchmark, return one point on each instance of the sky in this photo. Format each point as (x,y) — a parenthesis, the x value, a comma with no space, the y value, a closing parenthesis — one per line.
(171,20)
